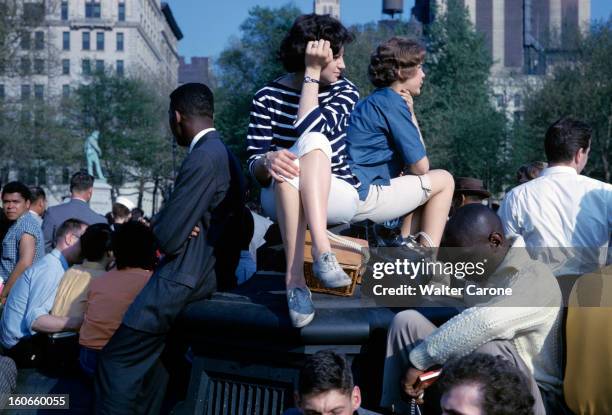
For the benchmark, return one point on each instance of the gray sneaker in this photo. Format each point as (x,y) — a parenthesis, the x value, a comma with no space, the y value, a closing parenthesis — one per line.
(327,269)
(301,309)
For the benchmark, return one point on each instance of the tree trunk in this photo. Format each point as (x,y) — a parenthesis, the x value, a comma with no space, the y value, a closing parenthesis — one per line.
(155,188)
(141,188)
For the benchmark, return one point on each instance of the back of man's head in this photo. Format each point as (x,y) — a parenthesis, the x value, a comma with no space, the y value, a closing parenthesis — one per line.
(325,371)
(564,138)
(81,182)
(37,194)
(134,246)
(120,213)
(69,226)
(487,382)
(470,225)
(193,99)
(96,242)
(17,187)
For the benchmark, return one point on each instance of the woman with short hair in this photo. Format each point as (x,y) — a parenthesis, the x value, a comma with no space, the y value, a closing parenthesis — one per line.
(387,152)
(296,152)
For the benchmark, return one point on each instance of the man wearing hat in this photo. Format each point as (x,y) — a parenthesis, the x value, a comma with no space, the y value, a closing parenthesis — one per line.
(122,210)
(468,190)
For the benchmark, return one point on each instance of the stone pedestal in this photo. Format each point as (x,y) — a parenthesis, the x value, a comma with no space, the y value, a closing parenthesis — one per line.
(101,201)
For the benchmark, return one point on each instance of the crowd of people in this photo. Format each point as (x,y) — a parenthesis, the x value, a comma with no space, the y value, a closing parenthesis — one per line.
(322,157)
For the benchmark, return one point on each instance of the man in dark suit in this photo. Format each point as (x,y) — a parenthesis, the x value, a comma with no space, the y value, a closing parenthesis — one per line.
(81,189)
(208,195)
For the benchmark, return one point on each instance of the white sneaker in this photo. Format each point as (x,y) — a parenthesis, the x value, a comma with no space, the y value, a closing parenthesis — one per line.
(301,308)
(327,269)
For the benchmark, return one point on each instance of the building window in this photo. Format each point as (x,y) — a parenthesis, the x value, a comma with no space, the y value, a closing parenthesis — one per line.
(100,41)
(66,41)
(121,11)
(25,40)
(25,66)
(99,65)
(33,13)
(66,91)
(1,91)
(92,9)
(517,100)
(39,91)
(65,66)
(120,68)
(120,41)
(39,40)
(86,41)
(25,91)
(64,9)
(39,66)
(86,67)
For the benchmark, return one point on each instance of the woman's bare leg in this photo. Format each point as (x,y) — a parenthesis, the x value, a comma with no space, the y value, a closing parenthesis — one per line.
(435,211)
(292,225)
(315,179)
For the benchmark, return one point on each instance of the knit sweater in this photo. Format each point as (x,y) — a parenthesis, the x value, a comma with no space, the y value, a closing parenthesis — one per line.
(530,319)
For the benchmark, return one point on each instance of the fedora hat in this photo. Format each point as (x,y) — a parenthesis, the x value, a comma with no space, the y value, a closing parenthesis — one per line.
(471,186)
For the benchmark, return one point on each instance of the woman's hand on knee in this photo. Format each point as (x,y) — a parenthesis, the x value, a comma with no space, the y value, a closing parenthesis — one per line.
(281,165)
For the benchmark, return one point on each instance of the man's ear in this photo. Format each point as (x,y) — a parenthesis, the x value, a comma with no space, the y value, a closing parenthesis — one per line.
(28,204)
(496,239)
(177,117)
(356,398)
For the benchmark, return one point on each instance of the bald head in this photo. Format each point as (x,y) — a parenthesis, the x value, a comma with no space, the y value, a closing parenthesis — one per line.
(471,225)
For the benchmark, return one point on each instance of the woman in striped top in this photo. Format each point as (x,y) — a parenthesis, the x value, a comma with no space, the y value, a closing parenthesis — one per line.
(297,152)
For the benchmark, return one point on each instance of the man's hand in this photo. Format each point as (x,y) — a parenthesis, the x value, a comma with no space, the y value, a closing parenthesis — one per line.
(405,94)
(318,55)
(408,382)
(194,232)
(280,165)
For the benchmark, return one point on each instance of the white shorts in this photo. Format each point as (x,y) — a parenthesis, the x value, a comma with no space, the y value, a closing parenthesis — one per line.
(343,198)
(403,195)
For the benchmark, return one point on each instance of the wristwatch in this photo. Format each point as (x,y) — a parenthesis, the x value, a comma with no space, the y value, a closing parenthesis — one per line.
(310,80)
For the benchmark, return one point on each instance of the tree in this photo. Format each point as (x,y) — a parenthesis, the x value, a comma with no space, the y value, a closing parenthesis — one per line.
(462,129)
(247,65)
(581,87)
(132,120)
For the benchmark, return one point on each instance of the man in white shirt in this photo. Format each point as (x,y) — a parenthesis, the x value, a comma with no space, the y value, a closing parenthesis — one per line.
(565,218)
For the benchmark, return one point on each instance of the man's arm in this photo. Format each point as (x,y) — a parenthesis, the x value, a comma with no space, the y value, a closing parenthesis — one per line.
(27,249)
(195,187)
(474,327)
(508,213)
(53,324)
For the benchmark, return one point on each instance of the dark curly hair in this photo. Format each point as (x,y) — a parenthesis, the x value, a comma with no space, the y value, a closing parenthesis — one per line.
(504,389)
(396,59)
(309,27)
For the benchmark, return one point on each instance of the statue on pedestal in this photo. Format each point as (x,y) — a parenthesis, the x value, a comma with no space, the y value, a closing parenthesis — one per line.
(92,154)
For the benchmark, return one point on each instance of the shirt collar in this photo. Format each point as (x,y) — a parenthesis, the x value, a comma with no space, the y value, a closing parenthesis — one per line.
(198,136)
(58,254)
(515,259)
(36,215)
(557,170)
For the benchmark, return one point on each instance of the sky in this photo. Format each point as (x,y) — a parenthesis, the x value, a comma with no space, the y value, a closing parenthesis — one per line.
(208,25)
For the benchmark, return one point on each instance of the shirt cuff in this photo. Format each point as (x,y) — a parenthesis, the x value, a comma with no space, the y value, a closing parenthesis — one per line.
(420,359)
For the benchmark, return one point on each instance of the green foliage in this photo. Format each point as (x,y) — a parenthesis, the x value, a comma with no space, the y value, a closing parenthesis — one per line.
(247,65)
(132,121)
(581,88)
(462,129)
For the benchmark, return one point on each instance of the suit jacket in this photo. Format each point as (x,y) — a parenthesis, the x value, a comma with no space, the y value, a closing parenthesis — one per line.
(208,192)
(56,215)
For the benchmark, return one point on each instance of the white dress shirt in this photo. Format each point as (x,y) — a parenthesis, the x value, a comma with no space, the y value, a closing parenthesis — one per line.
(198,136)
(561,209)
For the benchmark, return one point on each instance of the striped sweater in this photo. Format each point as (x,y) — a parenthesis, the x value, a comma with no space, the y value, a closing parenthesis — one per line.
(273,123)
